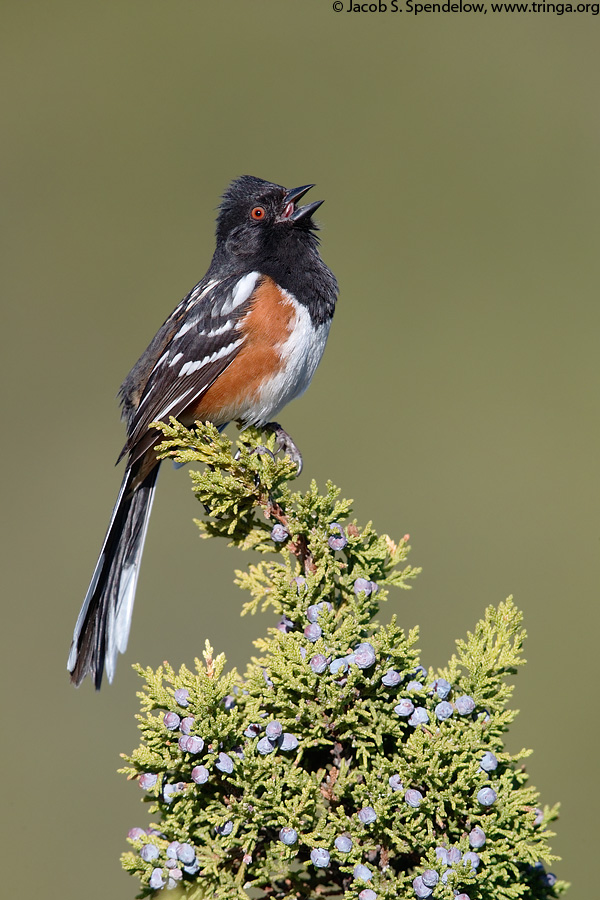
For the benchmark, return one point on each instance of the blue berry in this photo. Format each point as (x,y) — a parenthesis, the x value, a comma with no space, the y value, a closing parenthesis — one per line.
(444,710)
(488,762)
(225,829)
(395,783)
(337,540)
(462,897)
(313,632)
(487,796)
(200,774)
(274,730)
(419,717)
(319,858)
(366,815)
(318,664)
(539,816)
(253,730)
(391,678)
(465,705)
(187,854)
(187,725)
(149,852)
(264,746)
(169,790)
(471,859)
(364,656)
(147,780)
(182,697)
(414,686)
(191,870)
(362,872)
(287,742)
(404,708)
(361,584)
(288,836)
(229,702)
(195,744)
(413,797)
(172,849)
(134,834)
(224,763)
(454,856)
(171,721)
(343,843)
(420,888)
(279,534)
(312,613)
(339,666)
(477,837)
(442,855)
(156,879)
(285,625)
(430,877)
(442,688)
(367,894)
(175,876)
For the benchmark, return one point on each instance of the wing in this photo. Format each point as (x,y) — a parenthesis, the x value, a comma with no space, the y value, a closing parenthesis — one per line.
(199,341)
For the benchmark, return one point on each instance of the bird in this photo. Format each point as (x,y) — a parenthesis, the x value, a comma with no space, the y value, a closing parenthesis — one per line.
(243,343)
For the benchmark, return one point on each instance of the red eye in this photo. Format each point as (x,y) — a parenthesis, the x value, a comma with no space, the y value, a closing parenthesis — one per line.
(258,213)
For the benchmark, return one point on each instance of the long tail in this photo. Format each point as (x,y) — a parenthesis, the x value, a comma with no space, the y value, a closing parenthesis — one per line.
(102,626)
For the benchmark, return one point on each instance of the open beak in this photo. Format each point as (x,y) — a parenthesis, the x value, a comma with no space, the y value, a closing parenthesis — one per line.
(303,212)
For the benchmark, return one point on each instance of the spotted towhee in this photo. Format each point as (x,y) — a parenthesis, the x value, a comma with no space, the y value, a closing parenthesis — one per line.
(243,343)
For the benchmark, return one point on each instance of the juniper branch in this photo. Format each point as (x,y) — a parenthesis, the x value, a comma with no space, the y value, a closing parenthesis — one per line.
(336,765)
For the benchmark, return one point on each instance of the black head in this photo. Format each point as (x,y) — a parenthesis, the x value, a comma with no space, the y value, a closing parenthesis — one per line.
(258,219)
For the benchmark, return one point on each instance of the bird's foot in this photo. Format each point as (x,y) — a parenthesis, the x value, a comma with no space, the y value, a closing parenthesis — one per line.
(261,450)
(285,443)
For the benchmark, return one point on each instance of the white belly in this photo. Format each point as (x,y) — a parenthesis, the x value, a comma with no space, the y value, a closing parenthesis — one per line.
(302,353)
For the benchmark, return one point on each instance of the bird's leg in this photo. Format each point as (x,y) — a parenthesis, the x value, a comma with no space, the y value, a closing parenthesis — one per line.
(285,443)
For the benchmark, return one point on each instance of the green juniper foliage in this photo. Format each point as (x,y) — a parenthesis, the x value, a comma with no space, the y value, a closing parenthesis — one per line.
(336,766)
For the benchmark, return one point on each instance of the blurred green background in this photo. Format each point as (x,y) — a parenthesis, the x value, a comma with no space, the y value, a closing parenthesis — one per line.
(458,157)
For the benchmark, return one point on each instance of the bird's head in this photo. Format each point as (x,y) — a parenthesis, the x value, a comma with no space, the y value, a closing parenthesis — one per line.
(258,219)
